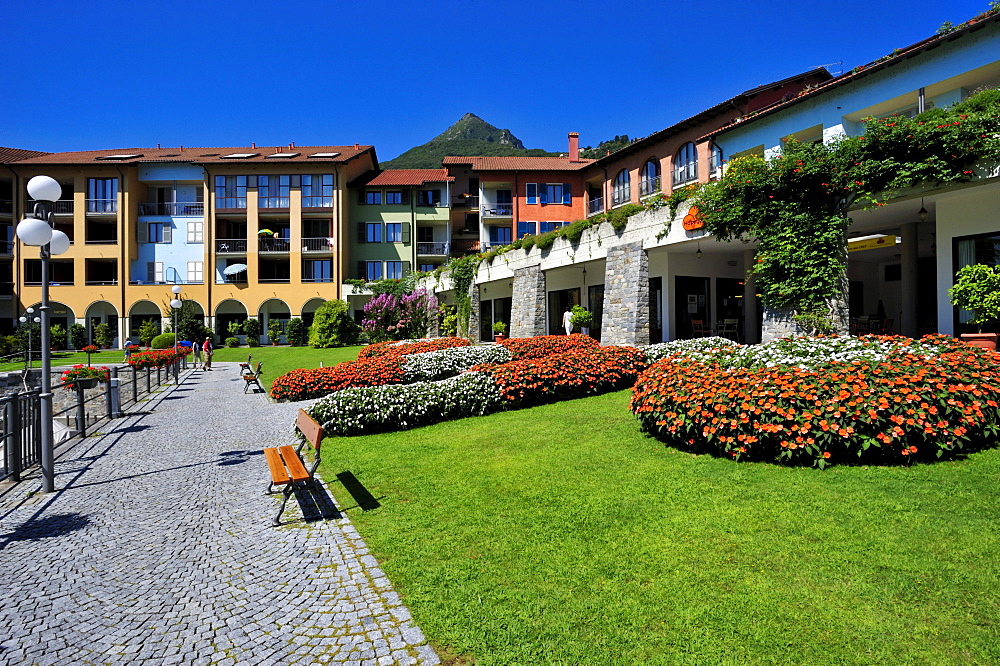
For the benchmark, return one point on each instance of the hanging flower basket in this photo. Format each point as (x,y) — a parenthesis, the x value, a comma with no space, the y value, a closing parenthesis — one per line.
(85,376)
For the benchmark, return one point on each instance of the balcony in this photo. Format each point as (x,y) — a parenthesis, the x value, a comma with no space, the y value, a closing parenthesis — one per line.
(174,209)
(273,202)
(102,206)
(6,207)
(498,210)
(317,202)
(317,245)
(649,186)
(6,290)
(465,246)
(433,249)
(6,248)
(595,206)
(685,174)
(465,201)
(231,246)
(61,207)
(230,203)
(273,246)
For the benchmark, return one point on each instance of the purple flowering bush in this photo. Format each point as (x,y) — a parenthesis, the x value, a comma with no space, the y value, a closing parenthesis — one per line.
(391,317)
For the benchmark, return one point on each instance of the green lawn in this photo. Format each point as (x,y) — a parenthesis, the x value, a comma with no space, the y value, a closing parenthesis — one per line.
(562,535)
(60,358)
(279,360)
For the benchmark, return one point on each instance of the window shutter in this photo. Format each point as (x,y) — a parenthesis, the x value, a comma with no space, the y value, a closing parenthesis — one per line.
(405,233)
(167,232)
(531,192)
(362,233)
(493,234)
(362,270)
(543,194)
(150,271)
(142,232)
(406,269)
(406,197)
(567,194)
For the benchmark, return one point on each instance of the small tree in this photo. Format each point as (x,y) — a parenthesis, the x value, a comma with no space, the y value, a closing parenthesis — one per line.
(234,328)
(295,331)
(78,335)
(333,326)
(103,336)
(390,317)
(148,330)
(57,336)
(274,331)
(977,288)
(252,329)
(581,317)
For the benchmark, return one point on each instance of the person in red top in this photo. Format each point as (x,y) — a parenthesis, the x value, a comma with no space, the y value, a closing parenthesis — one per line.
(208,349)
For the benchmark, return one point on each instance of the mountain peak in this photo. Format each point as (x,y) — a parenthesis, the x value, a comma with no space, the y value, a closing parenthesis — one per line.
(472,127)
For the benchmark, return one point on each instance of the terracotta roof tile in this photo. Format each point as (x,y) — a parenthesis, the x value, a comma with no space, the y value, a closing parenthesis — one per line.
(518,163)
(404,177)
(17,154)
(211,155)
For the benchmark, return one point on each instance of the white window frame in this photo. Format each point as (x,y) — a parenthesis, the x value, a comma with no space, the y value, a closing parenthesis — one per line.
(195,231)
(196,271)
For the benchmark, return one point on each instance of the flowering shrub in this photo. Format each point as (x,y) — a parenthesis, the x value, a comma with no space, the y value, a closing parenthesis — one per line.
(101,374)
(392,317)
(307,384)
(896,400)
(89,349)
(431,366)
(702,348)
(359,411)
(404,347)
(544,345)
(572,374)
(156,358)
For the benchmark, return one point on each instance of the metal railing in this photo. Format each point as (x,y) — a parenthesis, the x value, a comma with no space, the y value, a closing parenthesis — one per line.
(317,202)
(175,208)
(459,245)
(273,202)
(6,207)
(317,245)
(465,202)
(61,207)
(595,206)
(498,210)
(230,203)
(102,206)
(20,414)
(273,245)
(433,249)
(231,246)
(685,173)
(649,186)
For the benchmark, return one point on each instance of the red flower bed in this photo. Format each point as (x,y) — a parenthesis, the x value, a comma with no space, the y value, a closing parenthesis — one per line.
(546,345)
(380,349)
(571,374)
(903,408)
(155,358)
(308,384)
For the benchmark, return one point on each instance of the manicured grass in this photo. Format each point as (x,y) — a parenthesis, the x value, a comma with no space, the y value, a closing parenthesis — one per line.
(279,360)
(60,358)
(563,535)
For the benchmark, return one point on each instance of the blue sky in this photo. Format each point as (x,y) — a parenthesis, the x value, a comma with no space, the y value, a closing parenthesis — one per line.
(395,74)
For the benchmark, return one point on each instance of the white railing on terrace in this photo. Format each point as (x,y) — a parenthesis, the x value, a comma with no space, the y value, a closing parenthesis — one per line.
(649,186)
(61,207)
(176,208)
(317,245)
(231,246)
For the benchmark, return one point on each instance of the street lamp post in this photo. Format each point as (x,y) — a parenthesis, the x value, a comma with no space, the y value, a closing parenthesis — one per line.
(176,303)
(26,318)
(37,230)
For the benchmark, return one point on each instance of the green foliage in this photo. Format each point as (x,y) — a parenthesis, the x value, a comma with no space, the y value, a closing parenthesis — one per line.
(295,331)
(190,322)
(619,216)
(463,273)
(814,323)
(148,330)
(103,336)
(78,335)
(274,330)
(57,336)
(581,317)
(163,341)
(604,147)
(234,328)
(449,319)
(977,289)
(499,328)
(333,326)
(232,342)
(251,327)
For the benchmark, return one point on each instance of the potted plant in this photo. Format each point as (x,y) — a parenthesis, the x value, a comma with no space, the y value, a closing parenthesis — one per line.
(252,329)
(103,336)
(582,318)
(89,349)
(499,328)
(274,331)
(977,289)
(85,376)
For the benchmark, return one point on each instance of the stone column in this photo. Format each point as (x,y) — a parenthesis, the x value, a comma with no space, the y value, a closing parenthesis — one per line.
(750,314)
(908,286)
(474,335)
(527,316)
(626,296)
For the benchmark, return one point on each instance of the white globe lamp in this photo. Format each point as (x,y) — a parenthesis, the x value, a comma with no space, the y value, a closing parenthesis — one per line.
(44,188)
(33,231)
(175,304)
(59,243)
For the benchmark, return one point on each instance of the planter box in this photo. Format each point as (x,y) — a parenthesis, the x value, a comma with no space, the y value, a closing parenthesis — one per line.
(982,340)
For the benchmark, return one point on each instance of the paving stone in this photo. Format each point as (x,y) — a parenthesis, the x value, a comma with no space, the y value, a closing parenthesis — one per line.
(157,549)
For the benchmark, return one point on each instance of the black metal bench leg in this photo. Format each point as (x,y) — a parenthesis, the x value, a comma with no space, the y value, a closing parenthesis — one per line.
(287,492)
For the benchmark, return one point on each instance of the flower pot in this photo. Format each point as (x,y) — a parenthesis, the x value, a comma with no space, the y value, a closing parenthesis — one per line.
(86,382)
(982,340)
(498,337)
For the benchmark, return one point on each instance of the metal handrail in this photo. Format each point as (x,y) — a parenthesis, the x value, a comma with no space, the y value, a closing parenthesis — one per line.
(173,208)
(498,210)
(273,245)
(595,206)
(233,245)
(102,206)
(434,249)
(317,244)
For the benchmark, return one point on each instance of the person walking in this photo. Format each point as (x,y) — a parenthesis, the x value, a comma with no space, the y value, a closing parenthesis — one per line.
(567,321)
(197,355)
(208,349)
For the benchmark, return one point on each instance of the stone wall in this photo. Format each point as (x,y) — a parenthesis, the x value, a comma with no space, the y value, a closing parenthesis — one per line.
(527,317)
(626,296)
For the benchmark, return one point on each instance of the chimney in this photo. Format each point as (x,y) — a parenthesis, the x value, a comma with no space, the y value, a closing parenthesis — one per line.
(357,147)
(574,146)
(253,144)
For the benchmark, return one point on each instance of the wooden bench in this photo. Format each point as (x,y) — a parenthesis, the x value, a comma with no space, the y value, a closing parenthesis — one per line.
(287,466)
(252,377)
(246,366)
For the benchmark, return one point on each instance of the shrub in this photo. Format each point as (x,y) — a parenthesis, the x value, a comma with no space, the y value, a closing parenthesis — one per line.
(103,337)
(295,331)
(148,330)
(78,335)
(57,336)
(333,326)
(252,329)
(392,317)
(893,400)
(162,341)
(273,331)
(232,342)
(544,345)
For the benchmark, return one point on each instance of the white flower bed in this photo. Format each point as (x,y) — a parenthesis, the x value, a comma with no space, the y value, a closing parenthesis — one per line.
(435,365)
(359,411)
(702,349)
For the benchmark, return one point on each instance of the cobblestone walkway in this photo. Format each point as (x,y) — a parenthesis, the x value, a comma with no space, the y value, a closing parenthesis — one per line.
(157,549)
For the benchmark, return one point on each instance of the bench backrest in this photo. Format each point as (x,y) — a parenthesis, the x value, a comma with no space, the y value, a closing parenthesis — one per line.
(257,371)
(310,429)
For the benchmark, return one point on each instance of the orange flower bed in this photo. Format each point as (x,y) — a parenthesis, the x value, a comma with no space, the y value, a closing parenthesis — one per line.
(914,404)
(571,374)
(546,345)
(308,384)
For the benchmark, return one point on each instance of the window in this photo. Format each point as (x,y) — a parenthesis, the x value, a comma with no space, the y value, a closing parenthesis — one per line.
(715,160)
(317,270)
(686,164)
(551,226)
(373,270)
(649,178)
(984,249)
(373,198)
(621,191)
(425,234)
(428,197)
(156,233)
(195,271)
(102,195)
(273,191)
(393,198)
(154,271)
(500,236)
(317,191)
(526,229)
(394,270)
(531,193)
(195,231)
(393,232)
(555,193)
(373,232)
(231,191)
(426,268)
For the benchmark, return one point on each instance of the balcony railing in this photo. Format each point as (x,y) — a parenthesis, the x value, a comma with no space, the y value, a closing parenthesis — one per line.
(621,196)
(101,241)
(433,249)
(54,283)
(459,245)
(6,289)
(102,206)
(273,245)
(317,245)
(272,202)
(176,208)
(595,206)
(498,210)
(6,207)
(61,207)
(317,202)
(231,246)
(649,186)
(281,280)
(230,203)
(6,247)
(685,173)
(317,279)
(100,283)
(233,279)
(465,202)
(715,165)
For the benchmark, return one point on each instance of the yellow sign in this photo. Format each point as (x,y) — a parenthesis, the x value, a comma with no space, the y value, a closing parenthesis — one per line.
(871,243)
